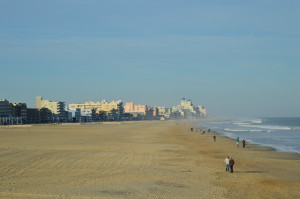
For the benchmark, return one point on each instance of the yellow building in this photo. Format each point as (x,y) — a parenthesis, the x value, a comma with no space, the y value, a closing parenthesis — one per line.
(130,107)
(55,107)
(164,111)
(110,106)
(86,106)
(98,106)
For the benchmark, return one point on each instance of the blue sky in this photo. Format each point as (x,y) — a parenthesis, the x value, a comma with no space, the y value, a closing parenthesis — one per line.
(236,58)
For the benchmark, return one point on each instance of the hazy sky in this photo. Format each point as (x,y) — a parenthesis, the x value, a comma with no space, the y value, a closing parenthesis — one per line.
(237,58)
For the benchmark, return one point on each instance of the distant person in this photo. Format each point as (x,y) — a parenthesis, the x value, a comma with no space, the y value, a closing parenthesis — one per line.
(238,139)
(244,143)
(215,138)
(231,163)
(208,130)
(227,163)
(192,129)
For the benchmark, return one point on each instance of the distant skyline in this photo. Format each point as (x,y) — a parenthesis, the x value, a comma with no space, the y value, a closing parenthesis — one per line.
(236,58)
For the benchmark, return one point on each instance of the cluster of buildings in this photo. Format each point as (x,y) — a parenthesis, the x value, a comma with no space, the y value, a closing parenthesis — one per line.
(47,111)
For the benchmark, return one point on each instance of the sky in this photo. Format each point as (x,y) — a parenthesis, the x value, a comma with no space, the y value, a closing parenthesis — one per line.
(236,58)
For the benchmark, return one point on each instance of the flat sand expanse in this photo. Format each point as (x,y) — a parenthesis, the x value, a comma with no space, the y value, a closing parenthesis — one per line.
(155,159)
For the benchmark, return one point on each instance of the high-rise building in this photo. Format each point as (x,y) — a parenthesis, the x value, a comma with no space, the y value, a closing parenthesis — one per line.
(20,110)
(130,107)
(12,113)
(33,116)
(102,106)
(38,102)
(56,107)
(186,109)
(153,110)
(203,111)
(164,112)
(5,108)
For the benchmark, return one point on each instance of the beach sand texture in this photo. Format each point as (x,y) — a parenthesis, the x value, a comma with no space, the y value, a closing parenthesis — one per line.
(148,159)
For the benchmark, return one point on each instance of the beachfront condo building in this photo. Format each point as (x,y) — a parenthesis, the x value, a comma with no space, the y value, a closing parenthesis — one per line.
(203,111)
(164,112)
(102,106)
(130,107)
(56,107)
(12,113)
(153,110)
(187,110)
(113,105)
(5,108)
(20,110)
(86,106)
(187,104)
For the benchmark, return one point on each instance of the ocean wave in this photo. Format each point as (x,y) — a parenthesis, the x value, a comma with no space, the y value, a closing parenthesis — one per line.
(267,127)
(282,148)
(250,120)
(256,121)
(241,123)
(242,130)
(282,135)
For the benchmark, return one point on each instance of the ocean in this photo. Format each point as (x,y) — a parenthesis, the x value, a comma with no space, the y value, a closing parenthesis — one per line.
(282,134)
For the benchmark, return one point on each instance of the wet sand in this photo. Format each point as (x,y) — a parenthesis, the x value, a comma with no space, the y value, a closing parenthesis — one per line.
(155,159)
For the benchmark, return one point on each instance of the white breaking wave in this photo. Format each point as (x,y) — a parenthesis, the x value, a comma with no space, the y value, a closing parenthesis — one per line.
(251,121)
(242,123)
(241,130)
(281,148)
(266,127)
(258,121)
(283,135)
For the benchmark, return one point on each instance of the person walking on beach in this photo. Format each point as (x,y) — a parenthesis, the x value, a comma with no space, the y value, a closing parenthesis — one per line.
(215,138)
(231,163)
(227,163)
(244,143)
(238,139)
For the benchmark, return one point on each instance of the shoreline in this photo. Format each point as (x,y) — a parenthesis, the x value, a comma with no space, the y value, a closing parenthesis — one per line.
(256,159)
(192,122)
(196,123)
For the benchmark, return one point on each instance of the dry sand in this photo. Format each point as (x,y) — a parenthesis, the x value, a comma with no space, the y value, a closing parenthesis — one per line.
(155,159)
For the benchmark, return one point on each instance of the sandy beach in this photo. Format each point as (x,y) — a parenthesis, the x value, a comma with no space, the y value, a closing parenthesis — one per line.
(148,159)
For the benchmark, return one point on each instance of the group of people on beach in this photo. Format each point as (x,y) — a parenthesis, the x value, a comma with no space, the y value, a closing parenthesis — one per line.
(229,162)
(238,142)
(200,130)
